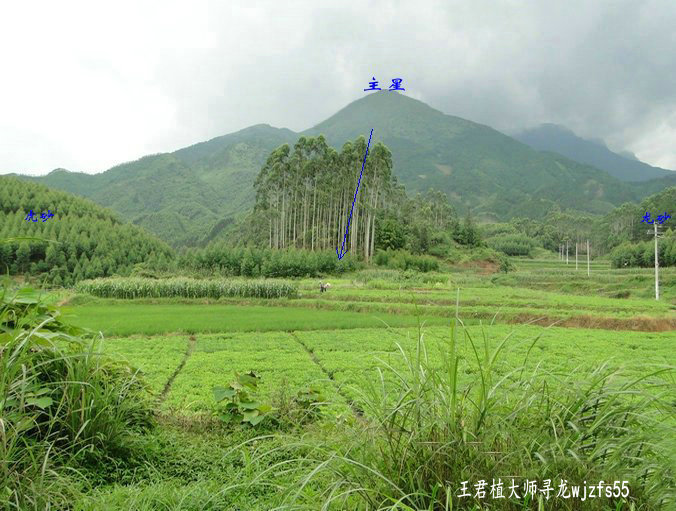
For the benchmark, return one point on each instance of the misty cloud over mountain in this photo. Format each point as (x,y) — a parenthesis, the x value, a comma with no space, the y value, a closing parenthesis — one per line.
(90,85)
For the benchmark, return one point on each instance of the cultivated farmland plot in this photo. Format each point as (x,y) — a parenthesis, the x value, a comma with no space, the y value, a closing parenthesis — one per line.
(357,341)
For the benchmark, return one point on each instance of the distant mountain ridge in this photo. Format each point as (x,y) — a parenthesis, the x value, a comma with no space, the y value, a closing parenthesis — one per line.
(184,196)
(624,165)
(189,196)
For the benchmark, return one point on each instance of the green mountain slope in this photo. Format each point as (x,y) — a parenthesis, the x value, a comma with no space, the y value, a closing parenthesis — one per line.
(477,166)
(189,196)
(550,137)
(183,196)
(90,241)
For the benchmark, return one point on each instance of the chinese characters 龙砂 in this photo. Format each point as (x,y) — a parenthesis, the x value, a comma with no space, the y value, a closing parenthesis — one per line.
(396,84)
(660,218)
(32,216)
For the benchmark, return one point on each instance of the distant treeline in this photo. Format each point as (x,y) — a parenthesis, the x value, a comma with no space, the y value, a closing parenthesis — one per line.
(621,227)
(264,262)
(85,241)
(643,253)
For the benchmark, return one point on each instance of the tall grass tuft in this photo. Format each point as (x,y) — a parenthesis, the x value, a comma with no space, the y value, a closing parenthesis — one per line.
(426,429)
(186,288)
(62,403)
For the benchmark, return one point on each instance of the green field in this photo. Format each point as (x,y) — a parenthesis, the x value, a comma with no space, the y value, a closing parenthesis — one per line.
(162,318)
(520,297)
(348,356)
(342,342)
(374,334)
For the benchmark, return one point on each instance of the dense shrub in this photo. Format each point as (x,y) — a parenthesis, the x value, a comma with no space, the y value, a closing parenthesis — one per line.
(401,260)
(512,244)
(254,262)
(505,265)
(643,254)
(186,288)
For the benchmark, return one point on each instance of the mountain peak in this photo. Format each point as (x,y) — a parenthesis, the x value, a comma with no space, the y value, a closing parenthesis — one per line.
(389,99)
(391,115)
(261,128)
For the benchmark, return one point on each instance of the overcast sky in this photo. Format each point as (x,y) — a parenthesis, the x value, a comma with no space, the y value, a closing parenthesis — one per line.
(87,85)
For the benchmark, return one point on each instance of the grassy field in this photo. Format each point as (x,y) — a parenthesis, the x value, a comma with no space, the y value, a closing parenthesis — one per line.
(337,359)
(355,302)
(349,344)
(124,318)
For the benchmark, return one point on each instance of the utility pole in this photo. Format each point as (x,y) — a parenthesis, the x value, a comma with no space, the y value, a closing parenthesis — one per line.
(657,267)
(576,244)
(587,258)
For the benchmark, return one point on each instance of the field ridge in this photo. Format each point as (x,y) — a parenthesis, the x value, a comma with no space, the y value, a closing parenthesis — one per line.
(358,412)
(190,347)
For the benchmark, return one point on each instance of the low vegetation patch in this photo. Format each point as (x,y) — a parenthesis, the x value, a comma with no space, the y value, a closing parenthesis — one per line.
(402,260)
(426,429)
(65,406)
(512,244)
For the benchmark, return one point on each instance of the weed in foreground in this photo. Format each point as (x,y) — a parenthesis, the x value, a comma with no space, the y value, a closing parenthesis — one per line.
(64,406)
(425,434)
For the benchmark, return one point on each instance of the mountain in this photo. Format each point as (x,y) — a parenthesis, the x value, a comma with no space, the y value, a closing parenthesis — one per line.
(477,166)
(187,196)
(558,139)
(190,196)
(92,241)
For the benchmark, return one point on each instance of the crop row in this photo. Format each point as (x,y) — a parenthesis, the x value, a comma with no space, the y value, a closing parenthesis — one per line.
(186,288)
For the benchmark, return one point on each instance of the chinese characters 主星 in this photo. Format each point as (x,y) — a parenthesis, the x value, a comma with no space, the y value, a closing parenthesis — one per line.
(34,217)
(660,218)
(396,84)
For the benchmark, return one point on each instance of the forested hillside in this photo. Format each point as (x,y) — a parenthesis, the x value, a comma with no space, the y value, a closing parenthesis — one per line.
(193,195)
(186,197)
(86,240)
(550,137)
(621,233)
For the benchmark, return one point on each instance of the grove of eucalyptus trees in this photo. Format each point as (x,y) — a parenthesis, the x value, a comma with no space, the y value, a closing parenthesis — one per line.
(304,197)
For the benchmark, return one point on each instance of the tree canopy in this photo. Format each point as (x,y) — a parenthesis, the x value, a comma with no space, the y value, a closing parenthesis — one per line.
(84,240)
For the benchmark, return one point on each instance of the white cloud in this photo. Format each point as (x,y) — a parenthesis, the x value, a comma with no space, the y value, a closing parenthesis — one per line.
(87,85)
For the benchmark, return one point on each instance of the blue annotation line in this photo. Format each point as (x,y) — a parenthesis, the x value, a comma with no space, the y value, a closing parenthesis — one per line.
(342,248)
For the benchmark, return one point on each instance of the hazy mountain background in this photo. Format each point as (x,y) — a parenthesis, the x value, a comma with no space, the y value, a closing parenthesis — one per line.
(190,196)
(559,139)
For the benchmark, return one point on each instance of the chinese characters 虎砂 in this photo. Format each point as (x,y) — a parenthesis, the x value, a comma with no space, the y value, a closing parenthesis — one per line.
(660,218)
(33,216)
(396,84)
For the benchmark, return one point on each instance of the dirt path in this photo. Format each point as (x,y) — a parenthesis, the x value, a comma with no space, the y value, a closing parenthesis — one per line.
(358,412)
(192,340)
